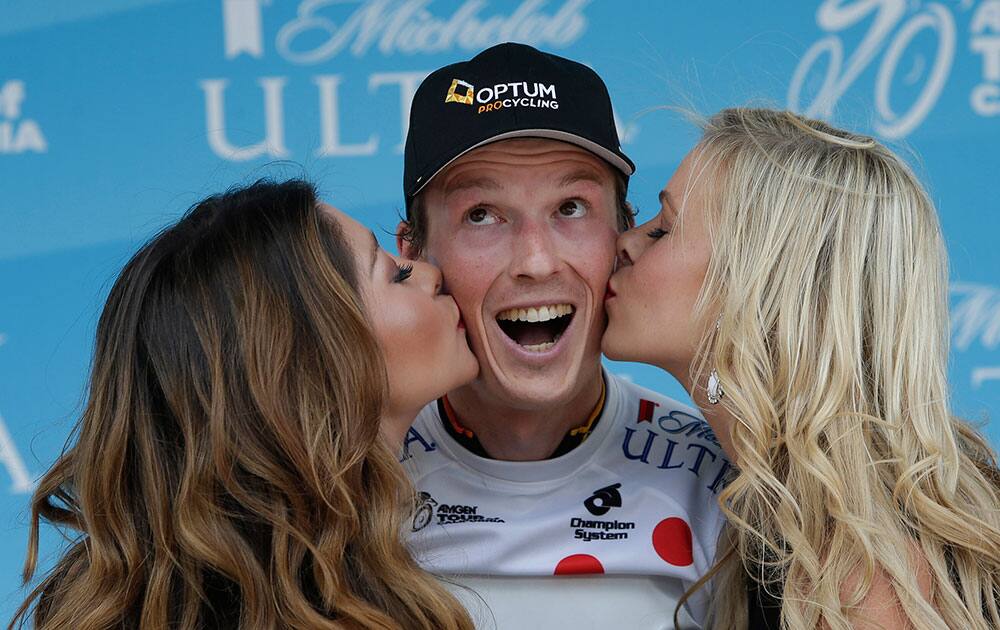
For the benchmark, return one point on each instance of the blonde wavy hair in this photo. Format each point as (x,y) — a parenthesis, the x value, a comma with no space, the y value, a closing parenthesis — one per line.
(228,468)
(829,279)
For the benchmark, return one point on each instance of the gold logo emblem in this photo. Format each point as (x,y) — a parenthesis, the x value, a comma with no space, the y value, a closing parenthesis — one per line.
(453,97)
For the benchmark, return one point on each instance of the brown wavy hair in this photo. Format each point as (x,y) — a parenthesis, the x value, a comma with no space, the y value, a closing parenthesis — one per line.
(228,468)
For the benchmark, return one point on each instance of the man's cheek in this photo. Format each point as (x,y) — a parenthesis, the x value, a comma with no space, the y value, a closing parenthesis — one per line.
(469,304)
(595,271)
(599,248)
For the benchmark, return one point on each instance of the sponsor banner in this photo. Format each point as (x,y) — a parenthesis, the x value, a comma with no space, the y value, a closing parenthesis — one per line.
(18,134)
(116,116)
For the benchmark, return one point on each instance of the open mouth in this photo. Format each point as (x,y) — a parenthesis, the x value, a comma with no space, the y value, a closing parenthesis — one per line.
(538,328)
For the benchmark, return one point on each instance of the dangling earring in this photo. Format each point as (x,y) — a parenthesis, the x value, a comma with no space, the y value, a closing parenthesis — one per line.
(714,390)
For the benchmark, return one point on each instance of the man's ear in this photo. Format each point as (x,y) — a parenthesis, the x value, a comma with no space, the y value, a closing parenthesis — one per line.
(403,244)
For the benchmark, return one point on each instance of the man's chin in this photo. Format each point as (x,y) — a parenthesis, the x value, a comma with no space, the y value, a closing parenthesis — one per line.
(534,389)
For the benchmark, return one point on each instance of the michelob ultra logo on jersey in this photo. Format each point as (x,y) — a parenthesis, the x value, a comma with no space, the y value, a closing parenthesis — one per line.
(503,95)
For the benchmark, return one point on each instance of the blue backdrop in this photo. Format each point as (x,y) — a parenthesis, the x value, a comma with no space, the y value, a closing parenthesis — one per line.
(116,115)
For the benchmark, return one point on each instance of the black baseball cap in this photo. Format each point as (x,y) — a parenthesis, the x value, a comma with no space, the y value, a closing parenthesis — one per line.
(507,91)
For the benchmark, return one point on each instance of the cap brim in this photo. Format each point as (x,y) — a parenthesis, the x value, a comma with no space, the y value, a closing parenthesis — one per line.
(609,156)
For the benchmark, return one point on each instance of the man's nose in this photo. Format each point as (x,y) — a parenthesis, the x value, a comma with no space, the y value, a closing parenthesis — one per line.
(536,253)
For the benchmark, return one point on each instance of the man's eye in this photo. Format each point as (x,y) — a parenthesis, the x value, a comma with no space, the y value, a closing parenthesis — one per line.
(573,208)
(481,216)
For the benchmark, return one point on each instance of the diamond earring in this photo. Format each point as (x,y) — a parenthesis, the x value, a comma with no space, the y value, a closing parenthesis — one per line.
(714,390)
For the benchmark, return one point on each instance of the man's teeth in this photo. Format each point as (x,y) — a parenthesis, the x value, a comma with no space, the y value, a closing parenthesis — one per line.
(545,345)
(540,347)
(536,314)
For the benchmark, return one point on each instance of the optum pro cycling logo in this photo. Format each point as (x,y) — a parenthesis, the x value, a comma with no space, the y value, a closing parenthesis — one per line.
(466,97)
(503,95)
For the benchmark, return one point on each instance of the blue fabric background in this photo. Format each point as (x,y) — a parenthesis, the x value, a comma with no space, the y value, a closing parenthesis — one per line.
(107,133)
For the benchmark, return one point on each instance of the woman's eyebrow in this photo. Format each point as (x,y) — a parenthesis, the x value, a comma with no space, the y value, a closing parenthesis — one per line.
(375,248)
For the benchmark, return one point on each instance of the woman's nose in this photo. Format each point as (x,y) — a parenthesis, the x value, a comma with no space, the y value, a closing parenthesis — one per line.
(430,276)
(624,258)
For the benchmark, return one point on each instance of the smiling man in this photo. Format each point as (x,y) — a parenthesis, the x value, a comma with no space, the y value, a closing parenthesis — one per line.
(546,465)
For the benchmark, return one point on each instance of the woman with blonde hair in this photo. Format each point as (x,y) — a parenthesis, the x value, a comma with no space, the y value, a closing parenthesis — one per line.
(795,282)
(256,366)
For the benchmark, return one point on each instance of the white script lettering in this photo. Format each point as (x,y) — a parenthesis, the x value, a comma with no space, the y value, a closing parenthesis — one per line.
(409,28)
(836,16)
(273,143)
(12,461)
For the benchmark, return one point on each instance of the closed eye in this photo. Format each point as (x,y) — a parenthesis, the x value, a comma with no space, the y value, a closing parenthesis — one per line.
(402,273)
(657,233)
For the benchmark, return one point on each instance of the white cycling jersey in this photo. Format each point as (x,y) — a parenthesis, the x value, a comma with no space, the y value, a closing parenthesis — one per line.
(609,535)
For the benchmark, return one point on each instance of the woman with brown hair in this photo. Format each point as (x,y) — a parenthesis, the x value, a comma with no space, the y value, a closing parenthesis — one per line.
(255,369)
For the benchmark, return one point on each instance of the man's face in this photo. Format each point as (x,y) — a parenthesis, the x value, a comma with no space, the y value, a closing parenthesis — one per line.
(524,233)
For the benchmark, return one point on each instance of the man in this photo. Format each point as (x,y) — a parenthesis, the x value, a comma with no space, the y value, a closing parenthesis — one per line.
(545,465)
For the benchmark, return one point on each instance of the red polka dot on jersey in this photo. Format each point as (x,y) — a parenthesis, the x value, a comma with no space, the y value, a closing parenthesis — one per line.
(579,564)
(672,541)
